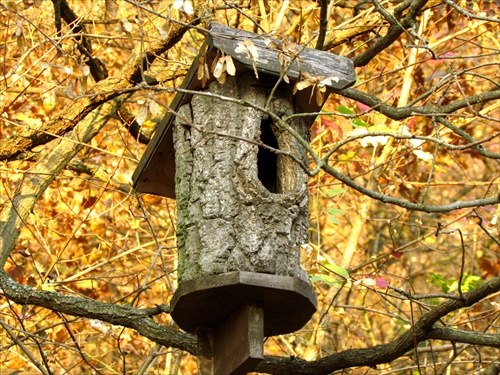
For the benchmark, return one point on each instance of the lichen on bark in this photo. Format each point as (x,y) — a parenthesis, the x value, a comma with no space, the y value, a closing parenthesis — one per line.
(227,219)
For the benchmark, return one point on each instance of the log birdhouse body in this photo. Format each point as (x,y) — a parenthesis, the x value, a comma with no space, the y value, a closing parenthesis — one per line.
(240,207)
(241,190)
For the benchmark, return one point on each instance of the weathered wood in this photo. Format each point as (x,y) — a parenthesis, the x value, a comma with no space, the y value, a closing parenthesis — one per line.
(242,201)
(313,62)
(227,220)
(204,303)
(234,347)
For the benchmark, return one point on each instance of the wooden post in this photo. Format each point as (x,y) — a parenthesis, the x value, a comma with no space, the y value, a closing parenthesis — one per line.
(236,346)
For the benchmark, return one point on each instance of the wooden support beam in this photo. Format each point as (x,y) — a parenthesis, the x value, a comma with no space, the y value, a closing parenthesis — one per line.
(236,346)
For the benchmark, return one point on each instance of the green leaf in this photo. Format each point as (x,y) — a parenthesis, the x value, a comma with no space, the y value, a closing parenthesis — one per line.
(345,110)
(358,123)
(332,212)
(341,271)
(324,279)
(331,215)
(333,219)
(334,192)
(335,211)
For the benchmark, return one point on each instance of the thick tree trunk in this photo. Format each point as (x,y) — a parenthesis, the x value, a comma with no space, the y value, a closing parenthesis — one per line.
(240,207)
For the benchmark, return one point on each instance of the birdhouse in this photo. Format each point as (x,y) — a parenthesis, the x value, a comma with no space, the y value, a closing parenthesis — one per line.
(231,152)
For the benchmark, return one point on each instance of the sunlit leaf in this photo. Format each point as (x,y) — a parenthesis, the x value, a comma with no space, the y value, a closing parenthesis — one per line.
(335,211)
(319,94)
(127,26)
(184,6)
(333,220)
(142,114)
(301,85)
(324,279)
(334,192)
(348,157)
(345,110)
(338,270)
(358,123)
(230,68)
(31,122)
(219,67)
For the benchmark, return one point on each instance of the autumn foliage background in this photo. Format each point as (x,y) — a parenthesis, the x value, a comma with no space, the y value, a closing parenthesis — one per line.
(90,235)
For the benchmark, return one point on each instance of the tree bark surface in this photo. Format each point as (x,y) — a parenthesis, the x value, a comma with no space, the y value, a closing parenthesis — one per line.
(239,209)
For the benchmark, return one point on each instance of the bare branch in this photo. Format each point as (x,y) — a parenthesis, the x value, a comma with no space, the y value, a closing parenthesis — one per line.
(130,317)
(422,330)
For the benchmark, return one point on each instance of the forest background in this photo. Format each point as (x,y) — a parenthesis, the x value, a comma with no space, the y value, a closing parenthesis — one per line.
(404,185)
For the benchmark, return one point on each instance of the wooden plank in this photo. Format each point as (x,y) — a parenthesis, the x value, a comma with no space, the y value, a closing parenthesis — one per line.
(288,302)
(314,62)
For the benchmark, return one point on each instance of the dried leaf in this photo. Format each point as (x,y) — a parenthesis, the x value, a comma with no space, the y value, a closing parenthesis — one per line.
(301,85)
(19,27)
(164,28)
(21,44)
(222,78)
(89,201)
(309,258)
(252,52)
(219,67)
(230,68)
(127,26)
(154,108)
(271,44)
(201,72)
(184,6)
(70,89)
(85,70)
(111,8)
(142,115)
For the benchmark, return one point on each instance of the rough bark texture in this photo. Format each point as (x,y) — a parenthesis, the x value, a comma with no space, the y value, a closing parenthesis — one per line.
(239,209)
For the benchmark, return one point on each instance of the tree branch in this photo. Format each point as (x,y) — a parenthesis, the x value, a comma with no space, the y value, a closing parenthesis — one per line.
(407,204)
(423,330)
(395,30)
(323,24)
(466,337)
(126,316)
(103,91)
(401,113)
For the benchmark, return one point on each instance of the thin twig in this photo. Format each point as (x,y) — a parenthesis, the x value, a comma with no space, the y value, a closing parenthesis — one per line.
(24,348)
(481,225)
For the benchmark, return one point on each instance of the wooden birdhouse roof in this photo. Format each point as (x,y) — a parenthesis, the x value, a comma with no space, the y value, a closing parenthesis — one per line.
(248,51)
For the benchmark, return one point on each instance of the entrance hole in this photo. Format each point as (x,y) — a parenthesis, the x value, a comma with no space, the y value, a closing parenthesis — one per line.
(267,161)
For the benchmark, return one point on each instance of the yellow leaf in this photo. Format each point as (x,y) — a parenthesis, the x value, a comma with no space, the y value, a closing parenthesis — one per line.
(31,122)
(346,158)
(46,287)
(431,240)
(380,128)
